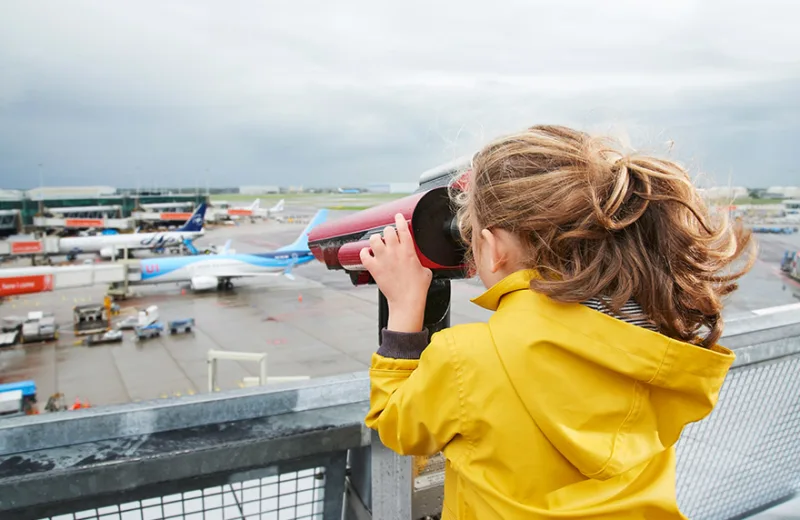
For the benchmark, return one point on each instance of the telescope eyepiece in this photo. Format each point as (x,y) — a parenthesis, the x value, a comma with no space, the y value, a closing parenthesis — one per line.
(452,230)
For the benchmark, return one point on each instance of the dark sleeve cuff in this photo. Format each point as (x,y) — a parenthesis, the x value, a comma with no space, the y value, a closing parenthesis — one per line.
(402,345)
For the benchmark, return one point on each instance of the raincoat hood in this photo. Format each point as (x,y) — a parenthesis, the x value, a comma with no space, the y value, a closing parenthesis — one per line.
(607,394)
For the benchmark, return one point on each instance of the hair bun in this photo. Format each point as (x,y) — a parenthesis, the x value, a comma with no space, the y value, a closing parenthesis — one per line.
(623,194)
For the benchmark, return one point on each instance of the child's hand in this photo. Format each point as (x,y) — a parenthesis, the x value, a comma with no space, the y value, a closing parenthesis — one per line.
(400,277)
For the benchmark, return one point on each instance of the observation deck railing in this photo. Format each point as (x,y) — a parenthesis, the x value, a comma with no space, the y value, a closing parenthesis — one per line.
(300,450)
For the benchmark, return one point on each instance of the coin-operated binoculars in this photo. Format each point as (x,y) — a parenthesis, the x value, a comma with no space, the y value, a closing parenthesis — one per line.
(433,226)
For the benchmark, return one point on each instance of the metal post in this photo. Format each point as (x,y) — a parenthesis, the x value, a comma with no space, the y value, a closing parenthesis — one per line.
(263,370)
(212,373)
(335,471)
(392,477)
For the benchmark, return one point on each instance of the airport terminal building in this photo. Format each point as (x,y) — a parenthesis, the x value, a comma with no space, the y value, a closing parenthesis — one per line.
(61,212)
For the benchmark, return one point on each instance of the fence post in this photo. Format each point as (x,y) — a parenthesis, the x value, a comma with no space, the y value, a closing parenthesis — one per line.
(391,483)
(335,471)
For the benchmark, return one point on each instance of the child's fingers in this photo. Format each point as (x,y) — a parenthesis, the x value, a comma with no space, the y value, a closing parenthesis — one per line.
(377,245)
(403,233)
(390,236)
(367,260)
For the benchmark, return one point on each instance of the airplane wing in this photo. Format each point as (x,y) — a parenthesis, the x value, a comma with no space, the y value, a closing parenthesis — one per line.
(287,272)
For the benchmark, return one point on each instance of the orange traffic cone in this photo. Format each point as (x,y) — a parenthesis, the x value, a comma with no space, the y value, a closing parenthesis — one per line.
(300,297)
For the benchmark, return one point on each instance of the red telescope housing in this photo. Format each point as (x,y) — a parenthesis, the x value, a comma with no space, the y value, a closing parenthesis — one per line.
(432,223)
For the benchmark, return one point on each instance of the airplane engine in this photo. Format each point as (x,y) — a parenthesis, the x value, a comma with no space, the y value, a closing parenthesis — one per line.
(204,283)
(110,252)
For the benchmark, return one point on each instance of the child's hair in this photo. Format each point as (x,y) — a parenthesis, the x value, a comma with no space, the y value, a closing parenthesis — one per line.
(597,223)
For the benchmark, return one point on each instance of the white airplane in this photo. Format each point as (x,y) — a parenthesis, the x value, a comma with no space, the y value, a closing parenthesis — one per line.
(113,246)
(204,272)
(254,210)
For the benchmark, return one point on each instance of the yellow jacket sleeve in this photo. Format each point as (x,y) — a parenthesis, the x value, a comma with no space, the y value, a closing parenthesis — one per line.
(415,405)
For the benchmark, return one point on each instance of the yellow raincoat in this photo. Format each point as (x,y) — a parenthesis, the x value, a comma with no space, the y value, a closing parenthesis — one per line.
(548,411)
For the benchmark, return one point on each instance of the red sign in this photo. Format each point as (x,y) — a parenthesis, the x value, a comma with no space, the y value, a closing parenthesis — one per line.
(26,284)
(84,222)
(240,212)
(26,248)
(175,216)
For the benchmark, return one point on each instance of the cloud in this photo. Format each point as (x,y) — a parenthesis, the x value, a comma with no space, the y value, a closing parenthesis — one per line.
(351,92)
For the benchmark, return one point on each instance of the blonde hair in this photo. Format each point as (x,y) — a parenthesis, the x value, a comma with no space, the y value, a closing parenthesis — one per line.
(596,223)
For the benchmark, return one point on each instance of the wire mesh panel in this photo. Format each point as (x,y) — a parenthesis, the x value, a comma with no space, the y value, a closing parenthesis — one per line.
(287,496)
(746,454)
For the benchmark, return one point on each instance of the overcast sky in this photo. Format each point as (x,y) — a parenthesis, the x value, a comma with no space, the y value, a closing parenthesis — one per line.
(350,92)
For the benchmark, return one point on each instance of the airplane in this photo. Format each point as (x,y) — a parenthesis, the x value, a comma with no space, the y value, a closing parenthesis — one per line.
(112,246)
(253,210)
(277,208)
(205,272)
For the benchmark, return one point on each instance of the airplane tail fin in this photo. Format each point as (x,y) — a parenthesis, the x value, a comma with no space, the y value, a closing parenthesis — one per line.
(255,205)
(301,244)
(278,207)
(190,247)
(195,222)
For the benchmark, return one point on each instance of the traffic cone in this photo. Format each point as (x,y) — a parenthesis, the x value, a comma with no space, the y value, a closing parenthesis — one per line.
(300,297)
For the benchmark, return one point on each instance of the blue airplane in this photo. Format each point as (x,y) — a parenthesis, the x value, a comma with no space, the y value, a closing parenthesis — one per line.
(204,272)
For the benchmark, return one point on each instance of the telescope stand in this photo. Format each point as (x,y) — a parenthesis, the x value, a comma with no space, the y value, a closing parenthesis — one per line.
(437,309)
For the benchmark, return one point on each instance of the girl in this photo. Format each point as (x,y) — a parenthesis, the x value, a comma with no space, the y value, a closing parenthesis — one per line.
(606,275)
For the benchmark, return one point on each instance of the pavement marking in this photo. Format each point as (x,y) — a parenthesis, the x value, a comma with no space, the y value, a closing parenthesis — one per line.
(779,308)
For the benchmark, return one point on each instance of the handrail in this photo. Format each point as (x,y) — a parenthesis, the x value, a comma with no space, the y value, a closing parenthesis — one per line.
(37,432)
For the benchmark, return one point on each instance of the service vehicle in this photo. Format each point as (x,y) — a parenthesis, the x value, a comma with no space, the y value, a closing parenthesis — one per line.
(183,326)
(13,323)
(8,339)
(18,398)
(128,323)
(111,336)
(148,331)
(39,326)
(791,264)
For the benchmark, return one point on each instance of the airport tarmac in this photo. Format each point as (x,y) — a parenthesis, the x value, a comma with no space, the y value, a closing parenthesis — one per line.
(316,325)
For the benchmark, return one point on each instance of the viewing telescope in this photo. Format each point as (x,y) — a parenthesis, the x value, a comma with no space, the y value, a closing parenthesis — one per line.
(432,223)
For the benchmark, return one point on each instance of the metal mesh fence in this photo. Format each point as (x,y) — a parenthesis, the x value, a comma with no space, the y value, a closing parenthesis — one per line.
(287,496)
(746,454)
